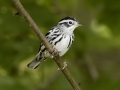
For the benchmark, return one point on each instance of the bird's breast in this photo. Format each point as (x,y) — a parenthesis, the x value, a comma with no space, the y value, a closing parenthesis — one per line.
(62,45)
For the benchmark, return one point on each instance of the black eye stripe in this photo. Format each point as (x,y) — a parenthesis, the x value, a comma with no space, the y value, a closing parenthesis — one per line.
(65,23)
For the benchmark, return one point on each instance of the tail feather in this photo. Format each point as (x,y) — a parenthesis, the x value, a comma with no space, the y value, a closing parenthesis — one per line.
(36,61)
(34,64)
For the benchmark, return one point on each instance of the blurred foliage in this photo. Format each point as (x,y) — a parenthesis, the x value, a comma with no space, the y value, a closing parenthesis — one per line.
(93,59)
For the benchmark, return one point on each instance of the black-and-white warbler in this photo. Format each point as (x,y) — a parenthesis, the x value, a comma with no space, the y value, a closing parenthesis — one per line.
(60,36)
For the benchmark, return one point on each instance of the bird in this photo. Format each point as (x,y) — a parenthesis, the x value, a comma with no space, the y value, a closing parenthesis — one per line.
(60,36)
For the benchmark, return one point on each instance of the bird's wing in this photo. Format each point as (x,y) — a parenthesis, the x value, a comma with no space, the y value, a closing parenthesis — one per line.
(50,36)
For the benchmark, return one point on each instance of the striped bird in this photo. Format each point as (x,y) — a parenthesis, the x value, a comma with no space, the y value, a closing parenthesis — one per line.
(60,36)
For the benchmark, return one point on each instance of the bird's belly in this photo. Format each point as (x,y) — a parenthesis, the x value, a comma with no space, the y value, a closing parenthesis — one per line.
(62,46)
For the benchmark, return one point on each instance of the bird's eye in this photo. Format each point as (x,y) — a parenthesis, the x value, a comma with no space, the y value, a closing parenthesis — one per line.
(70,22)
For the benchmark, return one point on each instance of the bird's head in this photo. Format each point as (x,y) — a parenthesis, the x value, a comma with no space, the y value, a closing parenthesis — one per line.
(68,24)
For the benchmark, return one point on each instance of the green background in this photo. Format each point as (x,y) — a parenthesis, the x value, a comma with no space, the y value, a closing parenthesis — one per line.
(93,59)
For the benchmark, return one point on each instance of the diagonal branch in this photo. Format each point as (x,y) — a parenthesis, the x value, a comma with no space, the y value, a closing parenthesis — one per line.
(37,31)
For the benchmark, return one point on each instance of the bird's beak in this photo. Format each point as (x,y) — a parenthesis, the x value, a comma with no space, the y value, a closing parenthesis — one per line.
(79,25)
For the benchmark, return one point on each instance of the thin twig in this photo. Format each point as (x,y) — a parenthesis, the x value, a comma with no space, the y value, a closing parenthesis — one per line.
(37,31)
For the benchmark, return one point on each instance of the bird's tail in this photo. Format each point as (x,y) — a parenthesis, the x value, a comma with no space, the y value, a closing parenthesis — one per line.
(36,62)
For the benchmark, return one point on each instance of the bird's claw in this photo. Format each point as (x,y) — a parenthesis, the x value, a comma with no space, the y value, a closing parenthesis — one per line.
(54,52)
(65,65)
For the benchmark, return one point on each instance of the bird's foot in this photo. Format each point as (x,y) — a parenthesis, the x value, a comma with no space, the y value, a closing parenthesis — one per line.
(54,52)
(65,65)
